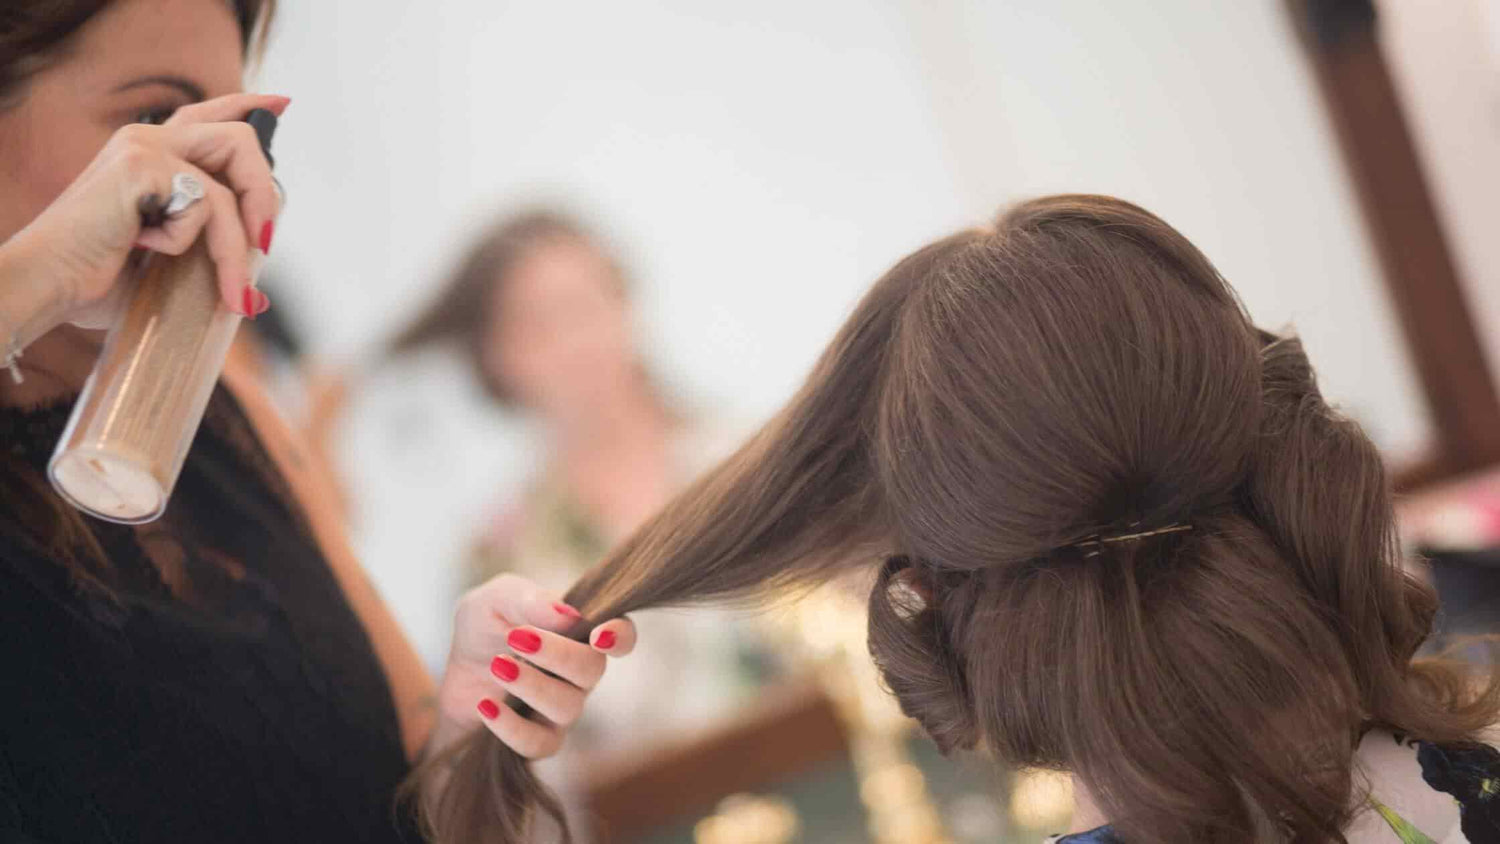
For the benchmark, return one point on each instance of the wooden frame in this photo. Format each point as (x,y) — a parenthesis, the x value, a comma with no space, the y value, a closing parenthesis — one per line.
(793,729)
(1342,44)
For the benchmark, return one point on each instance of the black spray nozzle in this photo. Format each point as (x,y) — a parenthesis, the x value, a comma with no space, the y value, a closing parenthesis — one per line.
(264,123)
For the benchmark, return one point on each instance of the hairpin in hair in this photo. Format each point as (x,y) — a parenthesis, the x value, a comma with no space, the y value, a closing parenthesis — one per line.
(1128,537)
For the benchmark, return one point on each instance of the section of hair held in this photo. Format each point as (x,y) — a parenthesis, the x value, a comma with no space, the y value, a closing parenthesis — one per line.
(793,507)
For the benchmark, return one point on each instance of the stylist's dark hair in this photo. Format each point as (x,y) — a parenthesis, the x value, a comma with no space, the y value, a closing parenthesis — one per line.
(463,312)
(1077,369)
(34,33)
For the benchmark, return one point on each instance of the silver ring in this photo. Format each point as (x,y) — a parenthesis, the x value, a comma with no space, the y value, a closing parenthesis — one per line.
(186,190)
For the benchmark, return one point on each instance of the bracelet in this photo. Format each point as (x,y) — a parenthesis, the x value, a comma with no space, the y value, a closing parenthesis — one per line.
(12,353)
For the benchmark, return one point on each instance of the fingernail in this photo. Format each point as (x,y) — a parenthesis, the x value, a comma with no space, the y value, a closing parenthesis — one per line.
(524,641)
(488,709)
(267,231)
(505,669)
(564,610)
(253,303)
(605,640)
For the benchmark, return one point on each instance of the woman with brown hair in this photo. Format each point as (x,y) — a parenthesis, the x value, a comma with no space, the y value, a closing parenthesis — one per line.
(542,315)
(225,673)
(513,416)
(1115,531)
(539,320)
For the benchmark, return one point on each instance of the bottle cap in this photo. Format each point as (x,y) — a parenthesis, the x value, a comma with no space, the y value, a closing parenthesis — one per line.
(264,123)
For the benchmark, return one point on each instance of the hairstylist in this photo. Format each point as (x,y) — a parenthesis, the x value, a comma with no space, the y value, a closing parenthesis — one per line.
(225,673)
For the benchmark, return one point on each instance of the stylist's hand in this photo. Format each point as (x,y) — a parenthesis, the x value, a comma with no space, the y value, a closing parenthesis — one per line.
(80,243)
(506,642)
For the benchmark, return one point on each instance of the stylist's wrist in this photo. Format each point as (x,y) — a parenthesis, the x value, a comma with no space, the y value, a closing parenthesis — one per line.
(36,294)
(447,729)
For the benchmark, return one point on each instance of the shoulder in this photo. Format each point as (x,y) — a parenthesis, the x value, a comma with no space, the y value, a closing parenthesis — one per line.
(1098,835)
(1443,790)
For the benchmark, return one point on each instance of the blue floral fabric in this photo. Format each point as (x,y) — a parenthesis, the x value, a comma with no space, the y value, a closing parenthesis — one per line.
(1471,774)
(1098,835)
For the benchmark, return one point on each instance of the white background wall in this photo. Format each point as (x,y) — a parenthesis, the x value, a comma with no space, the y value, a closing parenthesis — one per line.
(1446,61)
(760,164)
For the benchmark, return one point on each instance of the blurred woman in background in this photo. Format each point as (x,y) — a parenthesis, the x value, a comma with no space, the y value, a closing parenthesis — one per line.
(543,313)
(540,314)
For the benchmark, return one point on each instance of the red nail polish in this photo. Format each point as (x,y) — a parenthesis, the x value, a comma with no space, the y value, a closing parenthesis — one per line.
(266,232)
(564,610)
(247,302)
(524,641)
(605,640)
(488,709)
(505,669)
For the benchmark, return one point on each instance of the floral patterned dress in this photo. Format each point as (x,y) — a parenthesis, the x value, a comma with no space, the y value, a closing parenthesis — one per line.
(1418,793)
(701,667)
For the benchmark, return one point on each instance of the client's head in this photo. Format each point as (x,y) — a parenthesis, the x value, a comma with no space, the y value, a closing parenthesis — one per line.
(1118,532)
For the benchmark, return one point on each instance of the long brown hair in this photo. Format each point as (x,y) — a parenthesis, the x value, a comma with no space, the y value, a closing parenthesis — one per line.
(999,399)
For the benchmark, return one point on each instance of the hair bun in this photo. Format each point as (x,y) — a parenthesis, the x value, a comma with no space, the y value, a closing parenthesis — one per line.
(912,648)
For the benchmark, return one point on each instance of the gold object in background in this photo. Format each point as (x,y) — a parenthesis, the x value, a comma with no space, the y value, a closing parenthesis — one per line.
(1042,799)
(828,627)
(749,819)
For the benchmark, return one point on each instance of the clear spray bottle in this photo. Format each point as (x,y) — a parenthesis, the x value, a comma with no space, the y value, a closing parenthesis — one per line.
(123,449)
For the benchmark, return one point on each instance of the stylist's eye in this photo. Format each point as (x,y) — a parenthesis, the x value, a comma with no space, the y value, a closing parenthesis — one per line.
(155,116)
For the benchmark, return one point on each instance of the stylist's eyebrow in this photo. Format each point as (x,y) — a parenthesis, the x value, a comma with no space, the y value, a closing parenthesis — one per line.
(187,87)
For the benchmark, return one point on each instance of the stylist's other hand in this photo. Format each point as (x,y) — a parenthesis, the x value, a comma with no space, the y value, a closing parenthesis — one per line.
(80,243)
(507,640)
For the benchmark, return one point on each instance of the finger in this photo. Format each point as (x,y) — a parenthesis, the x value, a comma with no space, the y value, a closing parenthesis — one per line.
(558,701)
(227,108)
(216,217)
(224,234)
(233,153)
(518,601)
(526,737)
(615,638)
(573,661)
(175,234)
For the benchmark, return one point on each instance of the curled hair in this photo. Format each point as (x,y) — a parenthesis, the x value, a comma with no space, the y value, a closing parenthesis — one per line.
(911,640)
(1000,398)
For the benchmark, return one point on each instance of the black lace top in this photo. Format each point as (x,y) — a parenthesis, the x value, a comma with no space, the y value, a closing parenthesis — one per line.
(203,679)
